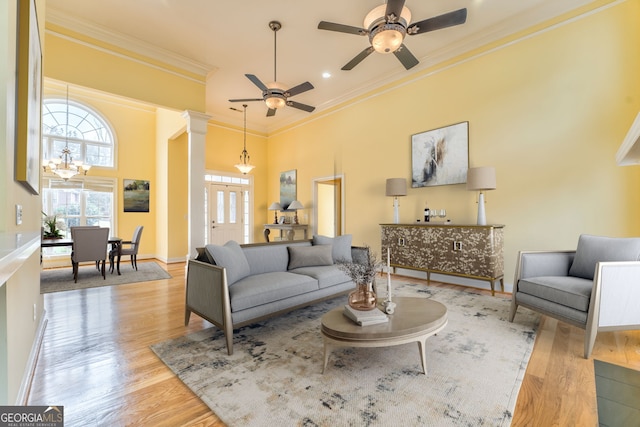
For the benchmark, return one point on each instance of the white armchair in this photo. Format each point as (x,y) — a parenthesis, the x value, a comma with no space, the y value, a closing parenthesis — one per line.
(596,287)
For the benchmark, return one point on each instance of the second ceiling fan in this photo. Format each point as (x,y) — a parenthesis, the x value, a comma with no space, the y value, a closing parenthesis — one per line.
(388,24)
(275,95)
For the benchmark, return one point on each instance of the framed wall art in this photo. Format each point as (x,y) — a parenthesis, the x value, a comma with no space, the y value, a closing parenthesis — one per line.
(440,156)
(29,98)
(288,188)
(136,195)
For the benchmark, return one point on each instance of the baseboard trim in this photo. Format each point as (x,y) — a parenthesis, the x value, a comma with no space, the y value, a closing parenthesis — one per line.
(27,379)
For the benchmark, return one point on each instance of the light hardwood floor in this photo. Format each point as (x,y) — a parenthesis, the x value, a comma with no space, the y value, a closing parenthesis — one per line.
(96,362)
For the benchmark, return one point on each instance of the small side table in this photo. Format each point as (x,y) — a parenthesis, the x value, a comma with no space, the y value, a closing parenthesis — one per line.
(290,230)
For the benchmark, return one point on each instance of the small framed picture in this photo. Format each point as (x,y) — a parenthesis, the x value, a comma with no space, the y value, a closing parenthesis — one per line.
(282,219)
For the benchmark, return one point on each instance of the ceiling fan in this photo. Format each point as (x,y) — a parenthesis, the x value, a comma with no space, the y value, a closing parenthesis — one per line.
(388,24)
(274,94)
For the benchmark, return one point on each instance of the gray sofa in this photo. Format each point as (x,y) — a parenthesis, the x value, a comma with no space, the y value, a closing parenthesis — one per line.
(235,285)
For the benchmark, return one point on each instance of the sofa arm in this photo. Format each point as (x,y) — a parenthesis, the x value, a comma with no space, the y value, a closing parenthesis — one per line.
(207,292)
(616,294)
(543,263)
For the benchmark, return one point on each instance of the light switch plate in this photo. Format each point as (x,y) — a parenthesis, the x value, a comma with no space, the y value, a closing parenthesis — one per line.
(18,214)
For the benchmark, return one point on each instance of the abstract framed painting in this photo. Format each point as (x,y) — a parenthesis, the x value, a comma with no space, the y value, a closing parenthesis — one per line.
(29,98)
(136,195)
(288,188)
(440,156)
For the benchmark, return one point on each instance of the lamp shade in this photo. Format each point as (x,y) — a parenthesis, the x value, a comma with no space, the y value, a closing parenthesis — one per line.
(295,205)
(275,206)
(396,187)
(481,178)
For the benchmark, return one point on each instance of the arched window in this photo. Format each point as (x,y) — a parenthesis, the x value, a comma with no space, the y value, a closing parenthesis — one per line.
(83,199)
(88,135)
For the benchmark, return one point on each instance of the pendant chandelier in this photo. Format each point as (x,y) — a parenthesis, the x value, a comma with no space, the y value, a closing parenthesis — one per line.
(244,166)
(64,166)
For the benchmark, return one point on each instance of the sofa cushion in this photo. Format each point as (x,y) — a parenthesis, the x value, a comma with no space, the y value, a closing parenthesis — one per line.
(307,256)
(326,275)
(574,292)
(231,257)
(268,258)
(264,288)
(594,249)
(340,246)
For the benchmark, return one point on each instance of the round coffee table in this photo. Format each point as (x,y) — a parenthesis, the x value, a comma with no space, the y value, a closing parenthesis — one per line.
(414,320)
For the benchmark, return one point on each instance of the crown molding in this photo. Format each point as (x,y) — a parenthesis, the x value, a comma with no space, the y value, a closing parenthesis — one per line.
(128,43)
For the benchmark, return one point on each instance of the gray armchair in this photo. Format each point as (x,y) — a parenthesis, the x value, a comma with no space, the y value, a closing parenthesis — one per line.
(596,287)
(132,246)
(89,244)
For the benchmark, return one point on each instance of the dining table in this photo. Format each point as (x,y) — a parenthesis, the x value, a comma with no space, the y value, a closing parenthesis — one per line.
(114,253)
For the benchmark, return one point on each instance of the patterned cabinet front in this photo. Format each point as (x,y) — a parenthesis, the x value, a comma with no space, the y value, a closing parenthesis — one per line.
(469,251)
(408,246)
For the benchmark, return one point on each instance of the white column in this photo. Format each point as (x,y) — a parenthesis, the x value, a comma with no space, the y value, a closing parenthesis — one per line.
(197,132)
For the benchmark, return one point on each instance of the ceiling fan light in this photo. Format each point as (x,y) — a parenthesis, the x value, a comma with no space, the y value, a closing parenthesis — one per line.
(387,40)
(275,101)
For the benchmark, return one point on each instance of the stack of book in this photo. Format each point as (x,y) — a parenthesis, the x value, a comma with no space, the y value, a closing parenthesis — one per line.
(365,318)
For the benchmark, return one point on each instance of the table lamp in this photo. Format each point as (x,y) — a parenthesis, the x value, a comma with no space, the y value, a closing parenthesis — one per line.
(275,206)
(396,187)
(481,179)
(295,205)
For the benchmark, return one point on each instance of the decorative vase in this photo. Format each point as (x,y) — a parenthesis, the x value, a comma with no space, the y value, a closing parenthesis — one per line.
(363,298)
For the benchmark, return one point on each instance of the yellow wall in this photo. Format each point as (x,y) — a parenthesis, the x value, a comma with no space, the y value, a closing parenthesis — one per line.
(549,112)
(178,209)
(169,125)
(74,59)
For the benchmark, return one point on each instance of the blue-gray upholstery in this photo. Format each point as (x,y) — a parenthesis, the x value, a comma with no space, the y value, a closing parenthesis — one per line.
(341,246)
(589,288)
(247,283)
(309,256)
(232,257)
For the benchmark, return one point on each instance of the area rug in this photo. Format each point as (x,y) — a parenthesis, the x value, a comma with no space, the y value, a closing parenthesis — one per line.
(475,369)
(61,279)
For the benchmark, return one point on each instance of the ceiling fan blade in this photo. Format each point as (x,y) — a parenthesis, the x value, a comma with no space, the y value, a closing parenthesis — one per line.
(271,112)
(450,19)
(405,56)
(299,106)
(246,100)
(256,81)
(394,7)
(331,26)
(299,89)
(358,59)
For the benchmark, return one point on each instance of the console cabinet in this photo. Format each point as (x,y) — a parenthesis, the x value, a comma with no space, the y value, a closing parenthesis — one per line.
(472,251)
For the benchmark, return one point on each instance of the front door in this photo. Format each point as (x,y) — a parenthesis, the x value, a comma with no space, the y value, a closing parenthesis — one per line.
(225,213)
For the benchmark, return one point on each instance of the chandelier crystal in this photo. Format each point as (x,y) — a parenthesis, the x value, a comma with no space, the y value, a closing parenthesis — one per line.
(244,166)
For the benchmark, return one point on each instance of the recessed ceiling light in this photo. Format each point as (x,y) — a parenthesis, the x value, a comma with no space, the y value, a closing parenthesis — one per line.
(326,75)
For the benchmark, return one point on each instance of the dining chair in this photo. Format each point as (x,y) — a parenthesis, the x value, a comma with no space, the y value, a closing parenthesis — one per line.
(132,246)
(89,244)
(83,226)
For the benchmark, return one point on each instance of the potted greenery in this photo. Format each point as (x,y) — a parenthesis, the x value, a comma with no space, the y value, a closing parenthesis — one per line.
(52,227)
(363,274)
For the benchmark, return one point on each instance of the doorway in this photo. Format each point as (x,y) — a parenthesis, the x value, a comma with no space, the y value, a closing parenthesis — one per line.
(328,202)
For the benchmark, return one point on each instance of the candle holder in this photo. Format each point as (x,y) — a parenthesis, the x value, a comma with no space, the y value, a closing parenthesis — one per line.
(389,306)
